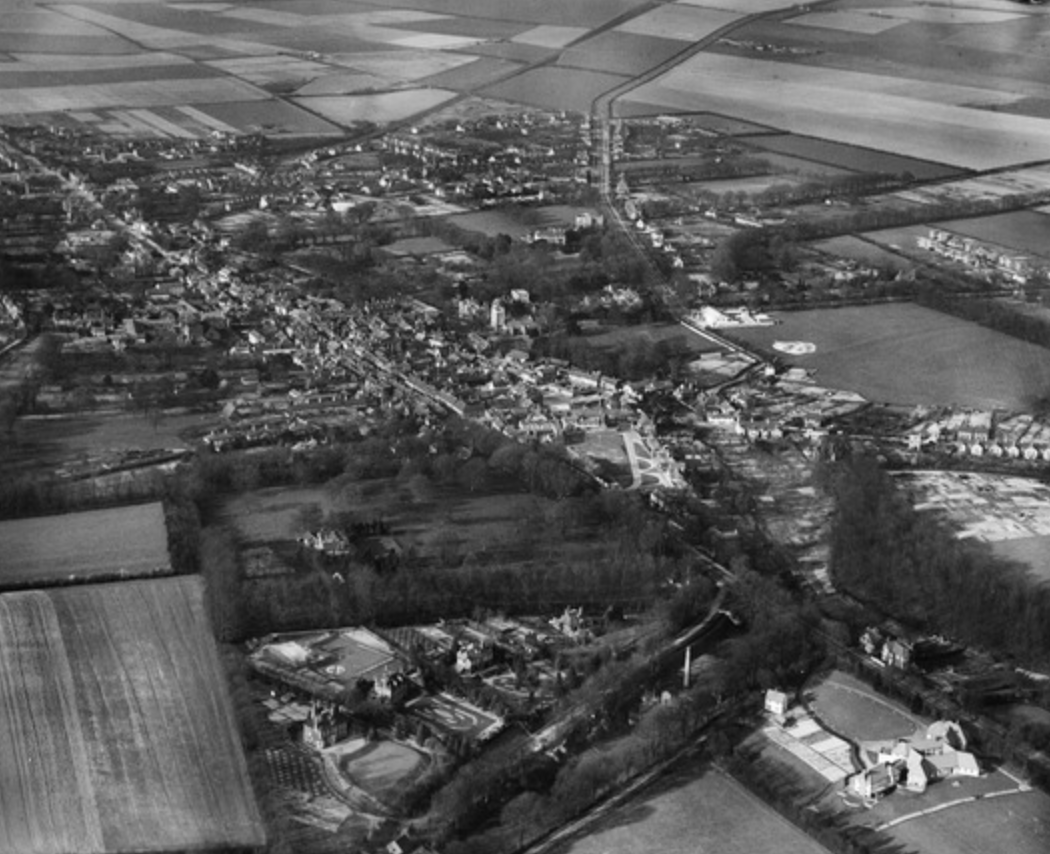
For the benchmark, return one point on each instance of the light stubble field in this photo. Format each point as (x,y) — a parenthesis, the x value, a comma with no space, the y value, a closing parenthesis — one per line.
(117,732)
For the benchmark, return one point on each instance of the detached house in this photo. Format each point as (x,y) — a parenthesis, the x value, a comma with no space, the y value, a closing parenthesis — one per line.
(913,763)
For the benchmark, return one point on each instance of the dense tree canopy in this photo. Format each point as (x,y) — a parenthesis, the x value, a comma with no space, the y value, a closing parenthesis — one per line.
(909,564)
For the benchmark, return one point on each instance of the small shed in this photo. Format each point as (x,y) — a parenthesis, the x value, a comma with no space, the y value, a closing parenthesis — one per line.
(776,702)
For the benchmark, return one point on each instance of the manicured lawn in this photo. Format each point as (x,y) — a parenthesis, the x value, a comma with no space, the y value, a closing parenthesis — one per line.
(1015,824)
(851,709)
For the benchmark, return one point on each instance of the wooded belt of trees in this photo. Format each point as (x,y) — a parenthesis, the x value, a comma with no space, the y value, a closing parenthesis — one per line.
(909,564)
(871,219)
(992,313)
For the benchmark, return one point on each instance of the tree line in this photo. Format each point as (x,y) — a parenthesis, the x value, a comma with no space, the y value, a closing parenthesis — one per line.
(1002,316)
(909,564)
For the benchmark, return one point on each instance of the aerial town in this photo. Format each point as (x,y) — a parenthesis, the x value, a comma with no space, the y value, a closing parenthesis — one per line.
(432,428)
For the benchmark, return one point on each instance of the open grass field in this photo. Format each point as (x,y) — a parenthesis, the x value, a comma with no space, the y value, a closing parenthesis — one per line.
(726,125)
(620,53)
(117,732)
(693,811)
(381,768)
(494,222)
(43,550)
(679,21)
(876,351)
(1022,231)
(402,65)
(1033,552)
(137,93)
(742,7)
(1019,824)
(652,332)
(550,36)
(272,514)
(440,523)
(850,708)
(904,239)
(851,157)
(578,13)
(270,117)
(556,88)
(481,71)
(861,23)
(50,442)
(381,107)
(863,252)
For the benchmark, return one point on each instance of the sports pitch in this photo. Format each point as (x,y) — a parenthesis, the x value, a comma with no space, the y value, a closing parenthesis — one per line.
(904,353)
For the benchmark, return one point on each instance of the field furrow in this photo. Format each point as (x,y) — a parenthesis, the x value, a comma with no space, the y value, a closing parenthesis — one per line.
(46,796)
(165,757)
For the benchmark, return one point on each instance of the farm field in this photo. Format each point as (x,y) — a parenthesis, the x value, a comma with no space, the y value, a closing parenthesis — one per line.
(857,108)
(380,108)
(620,53)
(556,88)
(863,252)
(1021,231)
(480,72)
(43,550)
(1019,824)
(550,36)
(851,157)
(118,733)
(992,44)
(579,13)
(174,62)
(904,240)
(680,21)
(874,351)
(694,811)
